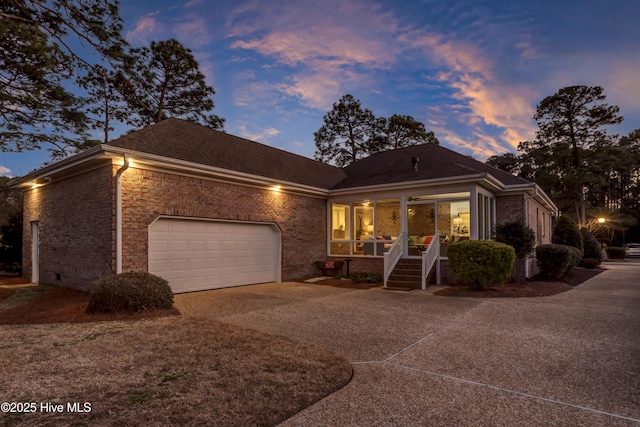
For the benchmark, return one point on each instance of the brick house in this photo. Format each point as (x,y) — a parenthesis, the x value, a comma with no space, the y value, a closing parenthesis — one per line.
(206,209)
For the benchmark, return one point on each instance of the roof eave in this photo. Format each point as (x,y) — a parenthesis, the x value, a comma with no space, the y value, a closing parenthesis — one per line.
(46,172)
(404,185)
(168,163)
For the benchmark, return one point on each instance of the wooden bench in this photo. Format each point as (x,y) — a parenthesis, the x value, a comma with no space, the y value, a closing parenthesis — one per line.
(329,268)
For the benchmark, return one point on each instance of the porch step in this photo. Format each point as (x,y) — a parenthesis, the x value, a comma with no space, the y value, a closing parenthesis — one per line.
(406,274)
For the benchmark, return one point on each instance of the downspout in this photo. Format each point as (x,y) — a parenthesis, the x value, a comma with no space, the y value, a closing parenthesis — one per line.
(119,173)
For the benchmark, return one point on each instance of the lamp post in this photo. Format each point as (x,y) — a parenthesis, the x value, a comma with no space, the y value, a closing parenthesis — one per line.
(601,221)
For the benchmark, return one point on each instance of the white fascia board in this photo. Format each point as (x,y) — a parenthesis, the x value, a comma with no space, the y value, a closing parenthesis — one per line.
(153,161)
(57,167)
(408,185)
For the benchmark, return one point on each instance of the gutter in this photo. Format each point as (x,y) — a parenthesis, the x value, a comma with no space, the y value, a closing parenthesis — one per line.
(118,202)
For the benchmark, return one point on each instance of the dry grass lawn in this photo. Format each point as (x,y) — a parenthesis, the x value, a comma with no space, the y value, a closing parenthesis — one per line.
(162,371)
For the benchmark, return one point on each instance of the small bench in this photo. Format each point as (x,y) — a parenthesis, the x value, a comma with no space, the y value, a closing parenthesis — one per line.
(329,268)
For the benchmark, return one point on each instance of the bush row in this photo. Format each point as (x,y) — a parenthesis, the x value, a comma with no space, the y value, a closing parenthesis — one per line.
(614,252)
(555,260)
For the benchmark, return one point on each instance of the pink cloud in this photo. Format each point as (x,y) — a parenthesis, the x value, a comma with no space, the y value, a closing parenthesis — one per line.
(323,41)
(194,31)
(146,28)
(485,100)
(262,136)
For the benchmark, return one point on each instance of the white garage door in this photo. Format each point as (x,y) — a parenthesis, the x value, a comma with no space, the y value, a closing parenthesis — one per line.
(195,255)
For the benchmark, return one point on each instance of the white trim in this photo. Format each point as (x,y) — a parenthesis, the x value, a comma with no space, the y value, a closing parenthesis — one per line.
(35,252)
(118,202)
(406,186)
(160,163)
(62,165)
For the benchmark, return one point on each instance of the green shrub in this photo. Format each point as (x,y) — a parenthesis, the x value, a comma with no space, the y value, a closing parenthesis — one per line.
(576,256)
(614,252)
(566,232)
(590,263)
(133,291)
(480,263)
(358,277)
(592,249)
(517,235)
(555,260)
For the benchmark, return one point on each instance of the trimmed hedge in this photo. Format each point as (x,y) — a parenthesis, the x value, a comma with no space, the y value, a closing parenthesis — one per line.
(517,235)
(555,260)
(592,249)
(566,232)
(614,252)
(129,292)
(576,256)
(590,263)
(480,263)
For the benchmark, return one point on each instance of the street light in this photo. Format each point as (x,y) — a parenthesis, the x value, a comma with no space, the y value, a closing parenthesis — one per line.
(601,220)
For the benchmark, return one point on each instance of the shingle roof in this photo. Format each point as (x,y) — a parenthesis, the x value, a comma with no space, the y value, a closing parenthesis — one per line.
(191,142)
(435,162)
(179,139)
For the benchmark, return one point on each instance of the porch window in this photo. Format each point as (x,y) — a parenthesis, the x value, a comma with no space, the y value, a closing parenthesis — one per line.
(369,227)
(451,218)
(340,229)
(364,227)
(486,216)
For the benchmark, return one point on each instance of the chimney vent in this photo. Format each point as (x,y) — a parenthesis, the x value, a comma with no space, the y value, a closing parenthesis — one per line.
(415,161)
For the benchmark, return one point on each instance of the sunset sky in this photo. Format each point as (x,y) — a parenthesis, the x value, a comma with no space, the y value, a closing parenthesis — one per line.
(472,71)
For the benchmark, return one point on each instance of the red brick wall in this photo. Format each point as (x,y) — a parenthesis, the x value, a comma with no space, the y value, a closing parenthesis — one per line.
(76,229)
(509,208)
(149,194)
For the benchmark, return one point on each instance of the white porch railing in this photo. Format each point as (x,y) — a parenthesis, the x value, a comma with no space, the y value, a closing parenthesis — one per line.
(392,256)
(429,257)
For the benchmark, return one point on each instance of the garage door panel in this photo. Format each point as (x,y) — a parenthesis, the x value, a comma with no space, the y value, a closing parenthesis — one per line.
(198,254)
(197,264)
(196,245)
(158,266)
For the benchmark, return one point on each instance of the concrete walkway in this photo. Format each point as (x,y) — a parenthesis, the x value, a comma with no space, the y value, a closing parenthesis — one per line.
(569,359)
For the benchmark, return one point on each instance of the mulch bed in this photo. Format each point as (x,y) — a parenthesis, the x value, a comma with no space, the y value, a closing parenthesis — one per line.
(64,305)
(535,288)
(341,283)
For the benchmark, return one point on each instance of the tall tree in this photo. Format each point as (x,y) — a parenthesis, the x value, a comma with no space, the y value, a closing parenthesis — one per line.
(402,131)
(10,200)
(571,122)
(164,80)
(104,101)
(508,162)
(348,134)
(38,42)
(351,133)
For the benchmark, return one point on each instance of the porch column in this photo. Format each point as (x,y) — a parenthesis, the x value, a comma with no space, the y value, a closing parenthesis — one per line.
(404,225)
(473,217)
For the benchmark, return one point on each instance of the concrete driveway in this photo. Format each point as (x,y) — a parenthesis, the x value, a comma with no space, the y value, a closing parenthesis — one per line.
(570,359)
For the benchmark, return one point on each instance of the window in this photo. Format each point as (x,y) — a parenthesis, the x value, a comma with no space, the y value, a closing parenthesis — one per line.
(364,227)
(486,216)
(340,222)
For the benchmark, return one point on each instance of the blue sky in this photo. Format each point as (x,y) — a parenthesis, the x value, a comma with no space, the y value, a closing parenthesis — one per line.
(472,71)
